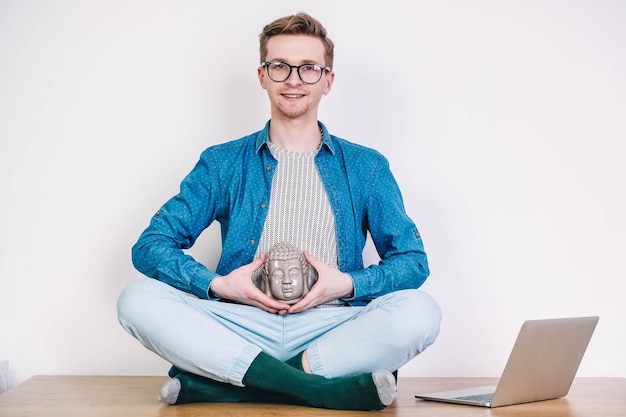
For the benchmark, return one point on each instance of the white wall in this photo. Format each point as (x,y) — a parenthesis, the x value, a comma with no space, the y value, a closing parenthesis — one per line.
(504,123)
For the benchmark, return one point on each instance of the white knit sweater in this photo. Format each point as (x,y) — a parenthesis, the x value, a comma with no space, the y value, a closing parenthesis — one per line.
(299,210)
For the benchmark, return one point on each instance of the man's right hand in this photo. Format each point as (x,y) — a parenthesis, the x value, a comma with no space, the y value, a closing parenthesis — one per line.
(238,286)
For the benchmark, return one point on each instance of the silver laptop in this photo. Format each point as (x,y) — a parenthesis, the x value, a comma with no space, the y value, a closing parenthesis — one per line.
(542,365)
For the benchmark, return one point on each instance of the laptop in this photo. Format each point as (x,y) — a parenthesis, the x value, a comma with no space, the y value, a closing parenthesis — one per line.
(542,365)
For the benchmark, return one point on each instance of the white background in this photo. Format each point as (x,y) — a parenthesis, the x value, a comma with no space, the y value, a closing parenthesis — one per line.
(504,122)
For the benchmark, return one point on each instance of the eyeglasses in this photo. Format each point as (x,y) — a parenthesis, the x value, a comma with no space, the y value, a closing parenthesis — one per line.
(308,73)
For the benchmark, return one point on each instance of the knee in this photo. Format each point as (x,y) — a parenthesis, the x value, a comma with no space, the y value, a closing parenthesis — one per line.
(416,303)
(418,319)
(132,299)
(425,304)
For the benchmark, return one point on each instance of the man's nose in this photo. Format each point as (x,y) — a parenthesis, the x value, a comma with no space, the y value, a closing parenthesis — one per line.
(294,78)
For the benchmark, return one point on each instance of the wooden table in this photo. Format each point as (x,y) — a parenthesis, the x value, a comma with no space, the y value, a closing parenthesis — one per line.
(135,396)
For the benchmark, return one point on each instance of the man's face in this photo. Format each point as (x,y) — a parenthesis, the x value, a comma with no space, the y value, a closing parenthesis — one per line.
(285,280)
(292,98)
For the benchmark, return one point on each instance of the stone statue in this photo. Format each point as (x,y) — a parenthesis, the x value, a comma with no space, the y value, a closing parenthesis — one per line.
(286,275)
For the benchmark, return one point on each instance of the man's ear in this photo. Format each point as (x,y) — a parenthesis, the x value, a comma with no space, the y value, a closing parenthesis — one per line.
(261,74)
(329,82)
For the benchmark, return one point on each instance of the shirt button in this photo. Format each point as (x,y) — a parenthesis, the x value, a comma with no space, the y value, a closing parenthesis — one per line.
(253,242)
(263,205)
(269,168)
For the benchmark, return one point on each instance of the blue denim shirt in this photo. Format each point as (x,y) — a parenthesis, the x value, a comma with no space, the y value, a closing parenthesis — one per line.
(231,184)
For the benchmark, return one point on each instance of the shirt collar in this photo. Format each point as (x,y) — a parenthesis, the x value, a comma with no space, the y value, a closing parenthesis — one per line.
(263,138)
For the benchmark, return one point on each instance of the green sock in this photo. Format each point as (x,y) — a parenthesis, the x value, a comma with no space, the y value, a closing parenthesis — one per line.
(296,361)
(361,392)
(191,388)
(187,388)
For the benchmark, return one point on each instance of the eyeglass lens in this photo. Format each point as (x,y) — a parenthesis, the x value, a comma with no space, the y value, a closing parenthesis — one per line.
(308,73)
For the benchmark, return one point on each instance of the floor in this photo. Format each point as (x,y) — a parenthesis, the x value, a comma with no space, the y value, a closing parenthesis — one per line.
(135,396)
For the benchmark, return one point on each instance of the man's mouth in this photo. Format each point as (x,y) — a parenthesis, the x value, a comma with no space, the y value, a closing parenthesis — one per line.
(294,96)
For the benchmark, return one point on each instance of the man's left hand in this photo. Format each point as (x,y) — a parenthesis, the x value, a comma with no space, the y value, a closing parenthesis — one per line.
(331,284)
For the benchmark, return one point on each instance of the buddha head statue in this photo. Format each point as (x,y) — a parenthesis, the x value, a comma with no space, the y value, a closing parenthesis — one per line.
(285,274)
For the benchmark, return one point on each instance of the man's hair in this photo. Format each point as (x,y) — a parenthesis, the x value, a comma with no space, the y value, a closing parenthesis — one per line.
(297,24)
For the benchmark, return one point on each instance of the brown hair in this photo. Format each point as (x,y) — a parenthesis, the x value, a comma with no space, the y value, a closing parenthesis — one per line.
(300,23)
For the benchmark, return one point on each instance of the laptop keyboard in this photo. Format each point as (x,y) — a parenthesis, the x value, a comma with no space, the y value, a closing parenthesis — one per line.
(483,398)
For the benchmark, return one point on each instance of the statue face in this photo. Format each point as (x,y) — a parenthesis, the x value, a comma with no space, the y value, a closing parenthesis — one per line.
(285,280)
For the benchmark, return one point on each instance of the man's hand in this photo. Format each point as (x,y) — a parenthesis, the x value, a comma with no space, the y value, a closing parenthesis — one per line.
(238,286)
(331,284)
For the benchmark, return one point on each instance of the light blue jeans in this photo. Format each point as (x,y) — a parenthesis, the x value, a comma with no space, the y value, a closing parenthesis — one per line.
(220,340)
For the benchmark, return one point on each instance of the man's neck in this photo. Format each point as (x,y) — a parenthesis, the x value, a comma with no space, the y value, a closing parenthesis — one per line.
(295,136)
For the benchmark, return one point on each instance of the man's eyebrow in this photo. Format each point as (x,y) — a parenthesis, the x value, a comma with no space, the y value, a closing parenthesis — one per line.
(286,61)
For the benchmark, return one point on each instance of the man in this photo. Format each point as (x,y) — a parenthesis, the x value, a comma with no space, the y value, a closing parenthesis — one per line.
(292,181)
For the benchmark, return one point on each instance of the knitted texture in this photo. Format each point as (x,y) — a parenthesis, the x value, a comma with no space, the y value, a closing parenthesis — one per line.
(299,209)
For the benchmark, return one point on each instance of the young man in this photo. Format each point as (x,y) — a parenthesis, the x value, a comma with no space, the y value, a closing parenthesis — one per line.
(292,181)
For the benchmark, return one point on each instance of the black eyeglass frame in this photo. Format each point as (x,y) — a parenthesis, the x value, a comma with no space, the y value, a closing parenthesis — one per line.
(267,64)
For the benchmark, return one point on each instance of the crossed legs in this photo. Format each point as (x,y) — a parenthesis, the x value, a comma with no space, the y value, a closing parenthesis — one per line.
(339,343)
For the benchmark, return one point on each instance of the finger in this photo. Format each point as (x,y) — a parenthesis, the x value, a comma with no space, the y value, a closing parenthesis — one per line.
(261,300)
(308,301)
(301,306)
(298,307)
(269,309)
(257,263)
(311,259)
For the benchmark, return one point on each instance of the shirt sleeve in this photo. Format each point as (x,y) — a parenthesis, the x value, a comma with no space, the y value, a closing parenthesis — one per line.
(174,227)
(403,262)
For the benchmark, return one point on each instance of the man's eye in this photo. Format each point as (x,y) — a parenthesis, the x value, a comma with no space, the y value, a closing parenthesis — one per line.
(309,67)
(280,65)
